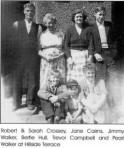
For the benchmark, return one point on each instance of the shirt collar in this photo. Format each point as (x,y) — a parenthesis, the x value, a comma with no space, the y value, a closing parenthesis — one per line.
(99,24)
(28,22)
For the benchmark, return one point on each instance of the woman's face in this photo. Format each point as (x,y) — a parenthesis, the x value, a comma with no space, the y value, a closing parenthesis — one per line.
(90,75)
(78,18)
(51,25)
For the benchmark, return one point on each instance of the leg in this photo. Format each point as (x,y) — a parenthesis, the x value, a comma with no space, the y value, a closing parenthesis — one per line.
(32,91)
(17,88)
(48,110)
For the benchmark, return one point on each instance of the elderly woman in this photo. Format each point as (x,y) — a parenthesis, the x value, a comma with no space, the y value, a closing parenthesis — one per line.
(52,55)
(77,43)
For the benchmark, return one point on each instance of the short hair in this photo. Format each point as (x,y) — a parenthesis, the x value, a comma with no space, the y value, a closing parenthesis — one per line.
(99,9)
(72,82)
(49,16)
(56,74)
(83,12)
(29,5)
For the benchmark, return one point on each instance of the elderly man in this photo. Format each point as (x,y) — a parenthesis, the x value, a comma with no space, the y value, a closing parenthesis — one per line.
(26,58)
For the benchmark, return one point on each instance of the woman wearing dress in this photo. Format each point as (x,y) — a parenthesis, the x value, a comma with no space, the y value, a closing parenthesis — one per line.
(77,43)
(94,97)
(51,52)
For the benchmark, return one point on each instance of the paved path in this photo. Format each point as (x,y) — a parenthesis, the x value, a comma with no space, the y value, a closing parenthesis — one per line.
(23,115)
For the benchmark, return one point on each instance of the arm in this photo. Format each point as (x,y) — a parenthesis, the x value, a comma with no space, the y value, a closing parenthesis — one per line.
(79,111)
(102,96)
(44,93)
(66,43)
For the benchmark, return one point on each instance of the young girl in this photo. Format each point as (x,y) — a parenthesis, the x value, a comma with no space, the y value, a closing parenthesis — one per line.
(94,97)
(73,106)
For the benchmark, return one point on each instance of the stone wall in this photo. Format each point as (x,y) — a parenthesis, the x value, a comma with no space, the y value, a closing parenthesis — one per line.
(64,9)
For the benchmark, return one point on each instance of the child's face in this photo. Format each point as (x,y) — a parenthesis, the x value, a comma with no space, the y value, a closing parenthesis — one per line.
(100,16)
(54,81)
(90,75)
(73,90)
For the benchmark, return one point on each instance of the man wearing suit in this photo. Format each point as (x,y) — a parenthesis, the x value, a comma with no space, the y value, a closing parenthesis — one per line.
(102,42)
(26,58)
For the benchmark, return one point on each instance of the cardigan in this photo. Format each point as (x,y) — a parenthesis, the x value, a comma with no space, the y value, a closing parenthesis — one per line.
(75,41)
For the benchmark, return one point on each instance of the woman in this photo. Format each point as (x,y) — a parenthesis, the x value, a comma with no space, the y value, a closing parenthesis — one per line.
(94,97)
(52,55)
(77,43)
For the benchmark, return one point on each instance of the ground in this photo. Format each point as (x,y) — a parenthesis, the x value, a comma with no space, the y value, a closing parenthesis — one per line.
(23,115)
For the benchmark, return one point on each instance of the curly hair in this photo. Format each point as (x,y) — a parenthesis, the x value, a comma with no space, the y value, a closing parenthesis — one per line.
(83,12)
(49,16)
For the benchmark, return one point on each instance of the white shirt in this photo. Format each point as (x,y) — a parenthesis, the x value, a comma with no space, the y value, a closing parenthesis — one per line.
(102,33)
(78,29)
(28,26)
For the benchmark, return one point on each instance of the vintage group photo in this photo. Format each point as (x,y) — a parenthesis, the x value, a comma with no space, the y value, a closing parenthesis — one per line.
(62,62)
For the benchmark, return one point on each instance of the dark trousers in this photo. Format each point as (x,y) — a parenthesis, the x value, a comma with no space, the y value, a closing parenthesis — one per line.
(24,77)
(102,67)
(50,110)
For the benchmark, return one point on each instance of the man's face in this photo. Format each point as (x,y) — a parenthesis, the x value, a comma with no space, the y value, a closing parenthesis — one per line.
(29,13)
(100,16)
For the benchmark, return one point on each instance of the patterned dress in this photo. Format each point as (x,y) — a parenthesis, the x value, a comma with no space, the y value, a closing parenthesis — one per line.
(52,55)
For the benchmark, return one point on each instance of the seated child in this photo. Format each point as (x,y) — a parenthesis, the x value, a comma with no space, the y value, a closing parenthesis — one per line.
(73,106)
(53,96)
(94,97)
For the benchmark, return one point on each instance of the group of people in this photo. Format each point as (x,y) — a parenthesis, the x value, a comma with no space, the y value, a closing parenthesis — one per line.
(64,74)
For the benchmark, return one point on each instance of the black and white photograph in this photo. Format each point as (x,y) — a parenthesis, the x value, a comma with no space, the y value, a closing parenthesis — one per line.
(62,62)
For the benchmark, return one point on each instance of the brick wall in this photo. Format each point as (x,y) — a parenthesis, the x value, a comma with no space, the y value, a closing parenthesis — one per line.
(64,9)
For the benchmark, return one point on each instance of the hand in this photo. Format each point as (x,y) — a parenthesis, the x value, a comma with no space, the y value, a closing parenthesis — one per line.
(70,63)
(40,53)
(93,109)
(90,59)
(53,99)
(69,119)
(98,57)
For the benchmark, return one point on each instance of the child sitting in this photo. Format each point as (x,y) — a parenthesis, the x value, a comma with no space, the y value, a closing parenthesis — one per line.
(53,96)
(94,97)
(73,106)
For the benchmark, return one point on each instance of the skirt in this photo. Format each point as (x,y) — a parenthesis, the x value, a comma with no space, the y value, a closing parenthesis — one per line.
(46,67)
(80,60)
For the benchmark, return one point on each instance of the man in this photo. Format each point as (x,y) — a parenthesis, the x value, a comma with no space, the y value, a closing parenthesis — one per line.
(26,58)
(104,46)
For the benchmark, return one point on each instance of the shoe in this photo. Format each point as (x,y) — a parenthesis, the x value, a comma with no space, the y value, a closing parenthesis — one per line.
(37,111)
(51,120)
(30,107)
(56,120)
(16,108)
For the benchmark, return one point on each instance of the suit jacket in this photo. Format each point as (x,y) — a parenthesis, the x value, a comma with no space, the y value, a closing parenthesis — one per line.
(46,92)
(26,44)
(97,48)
